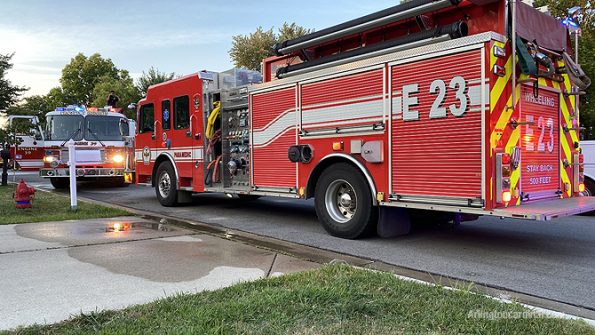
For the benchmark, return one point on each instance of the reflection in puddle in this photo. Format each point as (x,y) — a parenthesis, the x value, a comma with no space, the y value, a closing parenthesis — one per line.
(125,226)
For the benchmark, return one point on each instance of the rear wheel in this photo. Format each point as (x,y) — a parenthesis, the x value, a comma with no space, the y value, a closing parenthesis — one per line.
(166,186)
(60,183)
(344,203)
(589,188)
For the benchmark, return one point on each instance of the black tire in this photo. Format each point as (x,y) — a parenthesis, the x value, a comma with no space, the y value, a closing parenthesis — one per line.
(60,183)
(589,188)
(117,182)
(589,192)
(345,218)
(166,187)
(248,197)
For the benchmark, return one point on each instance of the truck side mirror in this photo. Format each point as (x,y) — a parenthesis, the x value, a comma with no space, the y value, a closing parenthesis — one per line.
(124,127)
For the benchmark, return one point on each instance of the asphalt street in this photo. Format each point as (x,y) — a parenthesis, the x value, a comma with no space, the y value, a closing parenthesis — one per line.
(553,260)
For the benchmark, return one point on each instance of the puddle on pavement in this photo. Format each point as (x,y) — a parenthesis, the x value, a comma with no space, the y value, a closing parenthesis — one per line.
(173,260)
(96,231)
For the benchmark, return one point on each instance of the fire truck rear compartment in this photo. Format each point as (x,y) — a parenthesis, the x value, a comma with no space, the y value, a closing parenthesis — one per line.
(437,137)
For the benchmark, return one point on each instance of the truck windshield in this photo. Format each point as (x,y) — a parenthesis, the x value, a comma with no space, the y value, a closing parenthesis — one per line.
(62,127)
(105,128)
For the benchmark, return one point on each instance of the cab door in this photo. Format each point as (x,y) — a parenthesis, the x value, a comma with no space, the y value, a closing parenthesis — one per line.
(179,140)
(197,137)
(145,146)
(540,143)
(164,124)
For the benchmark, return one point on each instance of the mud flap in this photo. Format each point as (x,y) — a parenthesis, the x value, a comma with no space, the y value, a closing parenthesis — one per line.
(184,197)
(393,222)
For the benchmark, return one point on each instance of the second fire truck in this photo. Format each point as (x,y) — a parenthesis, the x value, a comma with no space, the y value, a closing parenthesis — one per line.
(420,107)
(104,142)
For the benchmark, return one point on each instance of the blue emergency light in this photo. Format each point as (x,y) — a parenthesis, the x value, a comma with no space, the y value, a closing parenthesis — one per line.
(71,108)
(569,23)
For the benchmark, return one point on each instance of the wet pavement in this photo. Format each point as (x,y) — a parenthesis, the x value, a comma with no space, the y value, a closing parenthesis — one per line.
(53,270)
(553,261)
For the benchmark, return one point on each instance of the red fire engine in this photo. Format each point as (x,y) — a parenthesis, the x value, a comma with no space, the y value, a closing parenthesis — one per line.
(104,142)
(28,154)
(419,107)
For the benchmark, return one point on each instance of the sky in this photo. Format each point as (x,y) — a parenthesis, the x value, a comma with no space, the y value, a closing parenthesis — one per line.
(174,36)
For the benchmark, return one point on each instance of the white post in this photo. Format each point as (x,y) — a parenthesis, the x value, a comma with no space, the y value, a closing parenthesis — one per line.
(72,174)
(14,160)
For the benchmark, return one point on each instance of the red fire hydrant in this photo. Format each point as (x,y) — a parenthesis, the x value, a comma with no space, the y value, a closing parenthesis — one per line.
(23,195)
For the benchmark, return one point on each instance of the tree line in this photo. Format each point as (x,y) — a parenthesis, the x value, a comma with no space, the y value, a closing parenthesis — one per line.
(88,81)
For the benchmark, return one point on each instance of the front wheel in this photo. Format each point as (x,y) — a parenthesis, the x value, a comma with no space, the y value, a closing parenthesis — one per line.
(344,203)
(117,182)
(60,183)
(166,186)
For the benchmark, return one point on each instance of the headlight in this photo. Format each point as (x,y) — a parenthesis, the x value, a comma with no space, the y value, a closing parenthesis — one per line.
(49,158)
(52,160)
(118,158)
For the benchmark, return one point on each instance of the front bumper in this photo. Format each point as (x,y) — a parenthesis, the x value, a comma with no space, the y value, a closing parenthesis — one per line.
(83,172)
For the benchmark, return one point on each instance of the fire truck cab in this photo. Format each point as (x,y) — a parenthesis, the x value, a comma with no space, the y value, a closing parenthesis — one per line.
(419,107)
(28,154)
(187,142)
(104,143)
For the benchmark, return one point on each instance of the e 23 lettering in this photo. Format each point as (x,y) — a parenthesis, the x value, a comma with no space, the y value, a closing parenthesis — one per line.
(438,88)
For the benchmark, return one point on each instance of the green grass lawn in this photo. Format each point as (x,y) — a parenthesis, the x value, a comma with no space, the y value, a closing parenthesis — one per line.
(333,300)
(49,207)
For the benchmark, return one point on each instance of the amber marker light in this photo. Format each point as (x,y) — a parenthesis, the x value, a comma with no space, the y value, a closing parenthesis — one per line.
(506,197)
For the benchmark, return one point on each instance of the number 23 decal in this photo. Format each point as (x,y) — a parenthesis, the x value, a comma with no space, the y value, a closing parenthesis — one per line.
(437,110)
(542,124)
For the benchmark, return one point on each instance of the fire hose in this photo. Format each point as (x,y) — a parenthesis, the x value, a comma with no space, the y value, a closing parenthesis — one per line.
(447,32)
(399,12)
(216,138)
(212,119)
(213,172)
(576,73)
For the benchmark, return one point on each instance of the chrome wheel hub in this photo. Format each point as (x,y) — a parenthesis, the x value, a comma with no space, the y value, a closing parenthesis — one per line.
(341,201)
(164,185)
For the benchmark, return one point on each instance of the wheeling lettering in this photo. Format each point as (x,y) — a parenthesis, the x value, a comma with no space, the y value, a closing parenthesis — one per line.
(540,100)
